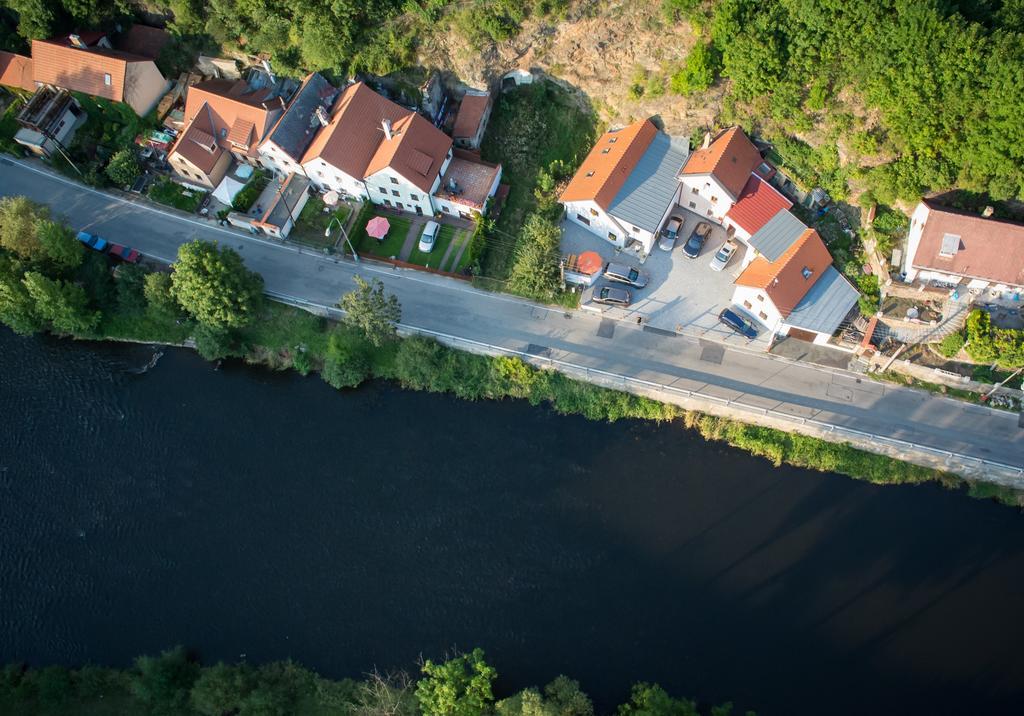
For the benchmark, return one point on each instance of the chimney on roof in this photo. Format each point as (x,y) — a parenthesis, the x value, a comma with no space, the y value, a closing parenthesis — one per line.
(707,140)
(76,41)
(988,211)
(386,125)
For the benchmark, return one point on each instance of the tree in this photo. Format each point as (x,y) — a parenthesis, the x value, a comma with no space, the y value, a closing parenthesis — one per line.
(124,168)
(130,280)
(221,688)
(59,244)
(389,694)
(17,307)
(36,18)
(18,224)
(160,301)
(163,682)
(536,271)
(458,687)
(652,700)
(346,364)
(214,343)
(371,312)
(212,285)
(698,73)
(64,305)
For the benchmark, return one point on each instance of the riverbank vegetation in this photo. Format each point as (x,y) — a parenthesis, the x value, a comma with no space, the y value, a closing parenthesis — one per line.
(49,281)
(175,684)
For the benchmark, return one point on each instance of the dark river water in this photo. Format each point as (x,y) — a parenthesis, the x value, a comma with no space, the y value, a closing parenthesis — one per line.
(241,512)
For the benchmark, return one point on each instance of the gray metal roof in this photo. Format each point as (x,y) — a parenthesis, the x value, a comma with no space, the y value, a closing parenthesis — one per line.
(645,197)
(295,130)
(777,235)
(825,306)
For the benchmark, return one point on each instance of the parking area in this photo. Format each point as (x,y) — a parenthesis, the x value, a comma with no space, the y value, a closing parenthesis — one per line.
(683,295)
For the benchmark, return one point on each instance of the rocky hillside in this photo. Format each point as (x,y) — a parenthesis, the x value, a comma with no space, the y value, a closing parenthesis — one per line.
(617,54)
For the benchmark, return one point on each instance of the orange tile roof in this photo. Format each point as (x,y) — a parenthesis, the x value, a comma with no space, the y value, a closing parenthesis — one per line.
(227,109)
(610,163)
(730,159)
(241,132)
(195,142)
(57,63)
(471,111)
(756,205)
(16,71)
(354,139)
(783,280)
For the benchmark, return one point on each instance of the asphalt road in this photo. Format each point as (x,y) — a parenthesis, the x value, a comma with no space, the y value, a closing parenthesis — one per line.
(452,307)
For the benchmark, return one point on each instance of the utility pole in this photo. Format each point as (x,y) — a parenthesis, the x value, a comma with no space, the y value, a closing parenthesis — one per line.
(1000,384)
(344,234)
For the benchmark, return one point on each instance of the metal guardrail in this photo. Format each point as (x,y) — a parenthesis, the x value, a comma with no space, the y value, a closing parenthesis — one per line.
(949,456)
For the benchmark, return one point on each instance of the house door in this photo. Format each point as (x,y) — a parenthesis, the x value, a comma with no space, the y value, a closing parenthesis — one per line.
(802,335)
(419,211)
(399,205)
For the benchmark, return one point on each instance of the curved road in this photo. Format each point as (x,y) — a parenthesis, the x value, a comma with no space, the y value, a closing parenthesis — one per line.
(454,308)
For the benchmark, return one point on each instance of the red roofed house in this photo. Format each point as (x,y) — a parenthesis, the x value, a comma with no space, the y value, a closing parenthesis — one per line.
(955,249)
(85,63)
(373,148)
(626,187)
(715,175)
(224,120)
(471,121)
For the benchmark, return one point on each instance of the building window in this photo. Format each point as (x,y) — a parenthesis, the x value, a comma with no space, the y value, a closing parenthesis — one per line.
(388,202)
(709,212)
(612,140)
(445,209)
(319,174)
(746,304)
(383,190)
(106,80)
(760,297)
(693,205)
(714,200)
(395,192)
(393,180)
(582,219)
(806,272)
(636,230)
(593,212)
(590,174)
(605,150)
(695,190)
(413,197)
(612,236)
(763,315)
(223,132)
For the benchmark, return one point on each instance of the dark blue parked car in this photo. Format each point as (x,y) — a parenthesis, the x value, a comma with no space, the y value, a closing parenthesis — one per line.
(92,241)
(738,323)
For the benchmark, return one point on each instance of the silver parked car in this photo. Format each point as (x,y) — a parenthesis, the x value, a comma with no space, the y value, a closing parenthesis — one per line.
(612,296)
(723,256)
(625,274)
(667,240)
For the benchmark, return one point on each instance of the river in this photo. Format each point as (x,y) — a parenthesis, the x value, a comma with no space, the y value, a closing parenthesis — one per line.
(248,514)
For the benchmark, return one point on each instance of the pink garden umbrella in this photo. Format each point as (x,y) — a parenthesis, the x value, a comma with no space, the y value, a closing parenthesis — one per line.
(378,227)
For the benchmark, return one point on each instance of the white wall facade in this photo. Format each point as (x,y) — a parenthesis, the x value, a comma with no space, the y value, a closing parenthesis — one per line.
(917,221)
(703,195)
(327,177)
(390,188)
(594,219)
(756,304)
(278,161)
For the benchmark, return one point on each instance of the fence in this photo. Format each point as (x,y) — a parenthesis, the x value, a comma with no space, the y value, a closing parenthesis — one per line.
(974,467)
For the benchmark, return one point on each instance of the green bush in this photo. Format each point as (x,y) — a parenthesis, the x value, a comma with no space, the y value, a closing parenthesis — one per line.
(698,72)
(245,198)
(950,345)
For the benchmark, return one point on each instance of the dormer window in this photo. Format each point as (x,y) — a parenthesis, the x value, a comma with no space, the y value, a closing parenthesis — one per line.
(612,140)
(590,174)
(106,79)
(605,150)
(806,272)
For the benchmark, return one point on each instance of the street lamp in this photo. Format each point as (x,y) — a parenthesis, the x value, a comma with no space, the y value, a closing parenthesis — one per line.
(327,234)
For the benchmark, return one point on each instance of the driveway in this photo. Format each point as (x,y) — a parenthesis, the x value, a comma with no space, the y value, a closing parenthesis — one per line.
(684,295)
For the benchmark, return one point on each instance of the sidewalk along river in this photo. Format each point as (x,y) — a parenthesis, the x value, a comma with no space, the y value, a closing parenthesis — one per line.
(262,516)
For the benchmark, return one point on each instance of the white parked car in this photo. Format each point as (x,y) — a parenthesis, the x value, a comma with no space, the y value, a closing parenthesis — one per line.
(723,256)
(429,236)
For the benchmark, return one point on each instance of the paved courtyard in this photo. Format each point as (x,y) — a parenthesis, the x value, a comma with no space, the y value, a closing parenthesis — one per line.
(684,295)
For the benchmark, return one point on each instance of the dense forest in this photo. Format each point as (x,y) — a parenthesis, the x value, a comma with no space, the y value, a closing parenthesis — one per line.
(173,684)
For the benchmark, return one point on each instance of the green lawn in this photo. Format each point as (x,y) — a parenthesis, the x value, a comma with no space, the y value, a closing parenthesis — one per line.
(433,259)
(391,245)
(531,127)
(167,192)
(285,328)
(313,221)
(462,239)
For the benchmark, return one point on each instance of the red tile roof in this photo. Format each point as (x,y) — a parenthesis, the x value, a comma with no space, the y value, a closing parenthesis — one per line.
(987,249)
(757,203)
(225,109)
(783,279)
(57,63)
(730,159)
(16,71)
(471,111)
(610,163)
